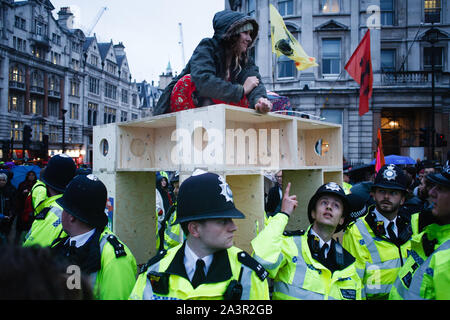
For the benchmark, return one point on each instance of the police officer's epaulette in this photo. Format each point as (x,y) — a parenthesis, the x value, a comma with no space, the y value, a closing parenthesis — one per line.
(155,259)
(294,233)
(119,248)
(251,263)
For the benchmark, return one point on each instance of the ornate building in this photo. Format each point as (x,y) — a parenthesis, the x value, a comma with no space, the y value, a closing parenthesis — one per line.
(405,35)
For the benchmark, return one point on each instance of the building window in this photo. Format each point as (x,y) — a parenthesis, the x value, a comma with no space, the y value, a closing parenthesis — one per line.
(53,133)
(36,105)
(56,38)
(123,116)
(37,132)
(432,11)
(16,75)
(330,6)
(75,88)
(74,108)
(332,115)
(388,60)
(428,54)
(251,8)
(286,8)
(94,60)
(16,103)
(124,96)
(110,91)
(38,52)
(16,130)
(53,107)
(73,135)
(286,67)
(94,85)
(20,23)
(92,113)
(134,100)
(331,56)
(387,12)
(134,116)
(76,47)
(56,58)
(40,28)
(19,44)
(109,115)
(111,68)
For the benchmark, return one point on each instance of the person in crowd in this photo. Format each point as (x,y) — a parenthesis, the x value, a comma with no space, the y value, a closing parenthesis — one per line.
(206,265)
(47,226)
(7,207)
(89,244)
(24,209)
(36,274)
(380,240)
(273,204)
(426,273)
(309,264)
(220,70)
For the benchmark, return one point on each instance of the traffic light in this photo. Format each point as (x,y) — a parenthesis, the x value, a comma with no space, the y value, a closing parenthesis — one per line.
(44,147)
(424,137)
(27,130)
(440,140)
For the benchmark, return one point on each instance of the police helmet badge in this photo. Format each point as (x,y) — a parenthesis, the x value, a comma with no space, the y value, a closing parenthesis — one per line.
(389,173)
(226,190)
(92,177)
(333,186)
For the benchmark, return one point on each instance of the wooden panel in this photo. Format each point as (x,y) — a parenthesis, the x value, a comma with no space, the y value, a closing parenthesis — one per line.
(248,196)
(326,153)
(134,218)
(333,176)
(304,184)
(101,134)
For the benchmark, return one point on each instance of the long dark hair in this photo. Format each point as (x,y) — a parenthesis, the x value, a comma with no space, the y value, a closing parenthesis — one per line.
(233,58)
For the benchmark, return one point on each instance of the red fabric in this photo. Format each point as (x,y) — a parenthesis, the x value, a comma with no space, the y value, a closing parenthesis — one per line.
(360,69)
(181,97)
(380,156)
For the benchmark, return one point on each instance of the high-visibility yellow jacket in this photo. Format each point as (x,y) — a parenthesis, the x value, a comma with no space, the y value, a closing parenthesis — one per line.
(117,271)
(426,273)
(164,277)
(378,258)
(297,275)
(47,225)
(38,194)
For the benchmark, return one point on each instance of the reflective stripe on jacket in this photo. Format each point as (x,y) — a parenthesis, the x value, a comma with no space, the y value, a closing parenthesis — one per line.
(426,276)
(378,259)
(296,274)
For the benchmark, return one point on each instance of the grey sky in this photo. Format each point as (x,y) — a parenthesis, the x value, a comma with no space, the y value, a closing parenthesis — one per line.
(148,29)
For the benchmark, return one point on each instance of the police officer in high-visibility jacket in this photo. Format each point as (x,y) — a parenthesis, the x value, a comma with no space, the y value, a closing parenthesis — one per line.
(206,266)
(90,244)
(426,273)
(46,226)
(380,240)
(309,265)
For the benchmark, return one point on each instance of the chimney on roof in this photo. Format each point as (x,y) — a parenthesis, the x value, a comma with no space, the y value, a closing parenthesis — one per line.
(65,18)
(119,49)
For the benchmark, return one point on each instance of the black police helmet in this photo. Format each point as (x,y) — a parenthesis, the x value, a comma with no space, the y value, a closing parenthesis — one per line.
(390,177)
(205,196)
(442,178)
(85,199)
(328,188)
(59,171)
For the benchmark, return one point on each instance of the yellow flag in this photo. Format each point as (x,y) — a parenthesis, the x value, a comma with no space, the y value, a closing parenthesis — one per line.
(284,43)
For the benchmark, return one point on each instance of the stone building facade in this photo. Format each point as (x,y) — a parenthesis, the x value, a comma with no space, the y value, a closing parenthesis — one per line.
(45,68)
(401,51)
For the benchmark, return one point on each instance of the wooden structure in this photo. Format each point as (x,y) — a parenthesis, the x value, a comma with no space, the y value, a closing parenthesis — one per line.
(238,143)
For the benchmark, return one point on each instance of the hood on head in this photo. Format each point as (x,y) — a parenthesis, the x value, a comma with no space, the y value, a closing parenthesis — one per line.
(226,22)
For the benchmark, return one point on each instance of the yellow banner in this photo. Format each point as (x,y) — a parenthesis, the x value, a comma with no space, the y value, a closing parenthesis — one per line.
(283,43)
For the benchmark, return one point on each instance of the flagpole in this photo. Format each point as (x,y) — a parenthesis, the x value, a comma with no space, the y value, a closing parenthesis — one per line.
(332,87)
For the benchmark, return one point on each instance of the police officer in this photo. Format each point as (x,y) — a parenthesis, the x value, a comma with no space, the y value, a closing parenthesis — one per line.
(90,244)
(206,265)
(380,240)
(46,226)
(426,273)
(309,265)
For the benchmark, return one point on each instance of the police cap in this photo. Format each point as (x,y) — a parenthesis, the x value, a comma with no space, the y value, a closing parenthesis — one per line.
(328,188)
(59,171)
(390,177)
(442,178)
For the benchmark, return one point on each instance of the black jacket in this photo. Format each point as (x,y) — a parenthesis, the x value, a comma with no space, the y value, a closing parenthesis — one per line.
(207,66)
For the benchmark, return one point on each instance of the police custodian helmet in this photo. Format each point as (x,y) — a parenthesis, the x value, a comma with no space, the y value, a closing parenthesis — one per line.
(85,199)
(205,195)
(328,188)
(59,171)
(390,177)
(442,178)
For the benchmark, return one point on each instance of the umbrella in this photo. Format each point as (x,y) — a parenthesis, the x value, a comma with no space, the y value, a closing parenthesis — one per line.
(395,159)
(20,173)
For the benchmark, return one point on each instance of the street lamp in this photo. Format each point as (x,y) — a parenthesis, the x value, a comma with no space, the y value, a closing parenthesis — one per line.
(63,130)
(432,37)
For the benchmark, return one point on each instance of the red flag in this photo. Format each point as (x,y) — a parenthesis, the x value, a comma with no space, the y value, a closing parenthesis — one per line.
(379,162)
(359,68)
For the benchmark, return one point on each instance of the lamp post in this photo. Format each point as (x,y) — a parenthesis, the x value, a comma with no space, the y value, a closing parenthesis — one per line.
(432,37)
(63,130)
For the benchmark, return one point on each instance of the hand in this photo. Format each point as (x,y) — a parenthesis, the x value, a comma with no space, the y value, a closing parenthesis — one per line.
(250,84)
(263,105)
(289,203)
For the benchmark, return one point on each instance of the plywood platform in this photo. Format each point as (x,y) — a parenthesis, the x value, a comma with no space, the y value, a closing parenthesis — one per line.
(238,143)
